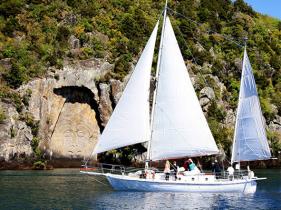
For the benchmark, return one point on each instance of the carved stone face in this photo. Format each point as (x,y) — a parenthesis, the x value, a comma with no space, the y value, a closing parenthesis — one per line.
(75,133)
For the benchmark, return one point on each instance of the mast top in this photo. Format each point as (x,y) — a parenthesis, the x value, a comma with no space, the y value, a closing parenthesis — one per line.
(245,41)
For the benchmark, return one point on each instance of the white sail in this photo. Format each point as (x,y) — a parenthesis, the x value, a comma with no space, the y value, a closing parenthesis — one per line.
(250,142)
(130,121)
(179,128)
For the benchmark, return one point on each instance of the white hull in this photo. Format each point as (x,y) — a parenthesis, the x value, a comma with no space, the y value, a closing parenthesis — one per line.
(126,183)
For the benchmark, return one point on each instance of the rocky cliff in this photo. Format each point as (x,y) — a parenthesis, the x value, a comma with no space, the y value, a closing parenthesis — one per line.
(70,106)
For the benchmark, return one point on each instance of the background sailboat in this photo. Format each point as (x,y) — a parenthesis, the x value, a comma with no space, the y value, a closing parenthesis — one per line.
(250,142)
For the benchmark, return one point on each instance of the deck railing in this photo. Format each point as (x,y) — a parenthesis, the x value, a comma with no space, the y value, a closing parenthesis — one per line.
(121,169)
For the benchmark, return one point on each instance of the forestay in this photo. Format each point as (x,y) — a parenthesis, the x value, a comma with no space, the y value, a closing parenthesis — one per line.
(250,142)
(180,128)
(130,121)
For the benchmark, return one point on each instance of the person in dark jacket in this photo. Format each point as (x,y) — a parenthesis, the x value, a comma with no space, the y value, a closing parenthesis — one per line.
(216,167)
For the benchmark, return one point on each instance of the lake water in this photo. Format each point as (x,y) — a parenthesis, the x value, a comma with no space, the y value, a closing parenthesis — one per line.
(67,189)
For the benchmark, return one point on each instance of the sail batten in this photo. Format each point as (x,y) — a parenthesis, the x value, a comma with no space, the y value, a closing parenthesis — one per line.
(130,121)
(179,128)
(250,142)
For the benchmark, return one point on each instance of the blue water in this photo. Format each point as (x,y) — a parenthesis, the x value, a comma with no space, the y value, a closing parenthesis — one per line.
(67,189)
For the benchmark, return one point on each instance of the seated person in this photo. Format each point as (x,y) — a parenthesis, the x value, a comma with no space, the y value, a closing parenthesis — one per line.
(192,168)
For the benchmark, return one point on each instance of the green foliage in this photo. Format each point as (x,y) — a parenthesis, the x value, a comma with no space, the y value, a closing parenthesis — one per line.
(267,109)
(122,66)
(39,161)
(11,7)
(16,76)
(13,132)
(275,142)
(29,120)
(11,96)
(216,112)
(123,155)
(279,25)
(40,165)
(34,144)
(2,115)
(26,97)
(63,33)
(223,135)
(241,6)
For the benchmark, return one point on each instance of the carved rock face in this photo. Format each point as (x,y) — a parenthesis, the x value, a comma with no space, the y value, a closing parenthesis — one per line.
(66,105)
(75,133)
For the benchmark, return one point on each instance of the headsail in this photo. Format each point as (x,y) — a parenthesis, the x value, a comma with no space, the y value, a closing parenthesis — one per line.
(250,142)
(130,121)
(180,128)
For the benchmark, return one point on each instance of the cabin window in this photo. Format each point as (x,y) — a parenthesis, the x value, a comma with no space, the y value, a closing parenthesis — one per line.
(206,179)
(192,178)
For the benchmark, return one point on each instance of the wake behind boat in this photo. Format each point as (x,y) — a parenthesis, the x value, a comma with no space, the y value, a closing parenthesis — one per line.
(176,126)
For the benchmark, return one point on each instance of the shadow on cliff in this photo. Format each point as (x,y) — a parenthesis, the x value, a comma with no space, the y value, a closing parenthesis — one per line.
(83,95)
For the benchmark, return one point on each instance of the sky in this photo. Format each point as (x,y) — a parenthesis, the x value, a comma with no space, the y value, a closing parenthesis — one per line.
(268,7)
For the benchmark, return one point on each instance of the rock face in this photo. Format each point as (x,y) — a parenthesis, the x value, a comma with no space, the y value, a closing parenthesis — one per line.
(15,136)
(275,125)
(66,103)
(105,107)
(73,136)
(206,95)
(74,42)
(116,90)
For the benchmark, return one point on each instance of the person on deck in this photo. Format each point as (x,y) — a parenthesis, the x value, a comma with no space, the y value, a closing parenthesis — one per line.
(191,165)
(176,169)
(230,171)
(167,170)
(216,167)
(185,165)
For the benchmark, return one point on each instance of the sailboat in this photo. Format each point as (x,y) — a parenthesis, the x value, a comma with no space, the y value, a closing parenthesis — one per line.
(176,126)
(250,142)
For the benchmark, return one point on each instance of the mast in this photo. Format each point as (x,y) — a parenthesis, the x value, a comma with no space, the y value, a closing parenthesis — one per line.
(155,91)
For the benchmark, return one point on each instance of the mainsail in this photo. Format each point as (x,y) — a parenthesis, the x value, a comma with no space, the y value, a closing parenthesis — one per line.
(250,142)
(130,122)
(179,127)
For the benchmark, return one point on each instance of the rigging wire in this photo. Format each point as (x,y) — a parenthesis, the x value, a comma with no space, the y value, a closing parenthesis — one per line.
(209,31)
(196,39)
(193,58)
